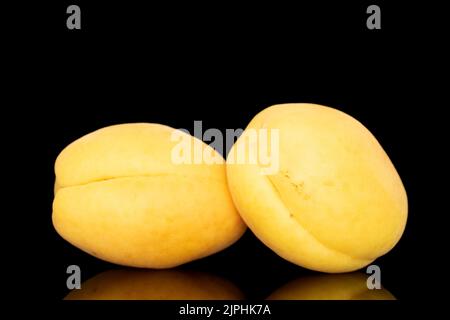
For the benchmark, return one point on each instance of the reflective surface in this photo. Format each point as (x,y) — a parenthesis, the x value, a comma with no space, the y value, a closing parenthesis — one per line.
(349,286)
(130,284)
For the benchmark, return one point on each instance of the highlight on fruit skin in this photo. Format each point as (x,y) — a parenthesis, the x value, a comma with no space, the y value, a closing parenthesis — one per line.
(349,286)
(336,202)
(129,284)
(120,196)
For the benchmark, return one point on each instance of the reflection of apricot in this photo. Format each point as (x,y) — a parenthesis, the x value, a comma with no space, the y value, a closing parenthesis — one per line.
(350,286)
(155,285)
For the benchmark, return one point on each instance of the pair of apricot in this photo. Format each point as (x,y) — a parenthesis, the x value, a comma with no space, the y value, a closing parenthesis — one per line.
(335,204)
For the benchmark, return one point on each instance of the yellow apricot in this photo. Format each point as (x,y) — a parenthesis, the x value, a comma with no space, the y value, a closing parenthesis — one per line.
(351,286)
(336,202)
(120,197)
(155,285)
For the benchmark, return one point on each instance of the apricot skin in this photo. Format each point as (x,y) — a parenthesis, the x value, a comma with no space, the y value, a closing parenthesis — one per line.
(336,203)
(120,197)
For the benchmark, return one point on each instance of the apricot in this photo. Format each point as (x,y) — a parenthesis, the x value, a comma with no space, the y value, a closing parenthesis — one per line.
(336,202)
(351,286)
(120,196)
(155,285)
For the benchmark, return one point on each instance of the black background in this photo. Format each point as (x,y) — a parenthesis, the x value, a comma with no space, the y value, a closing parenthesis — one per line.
(222,64)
